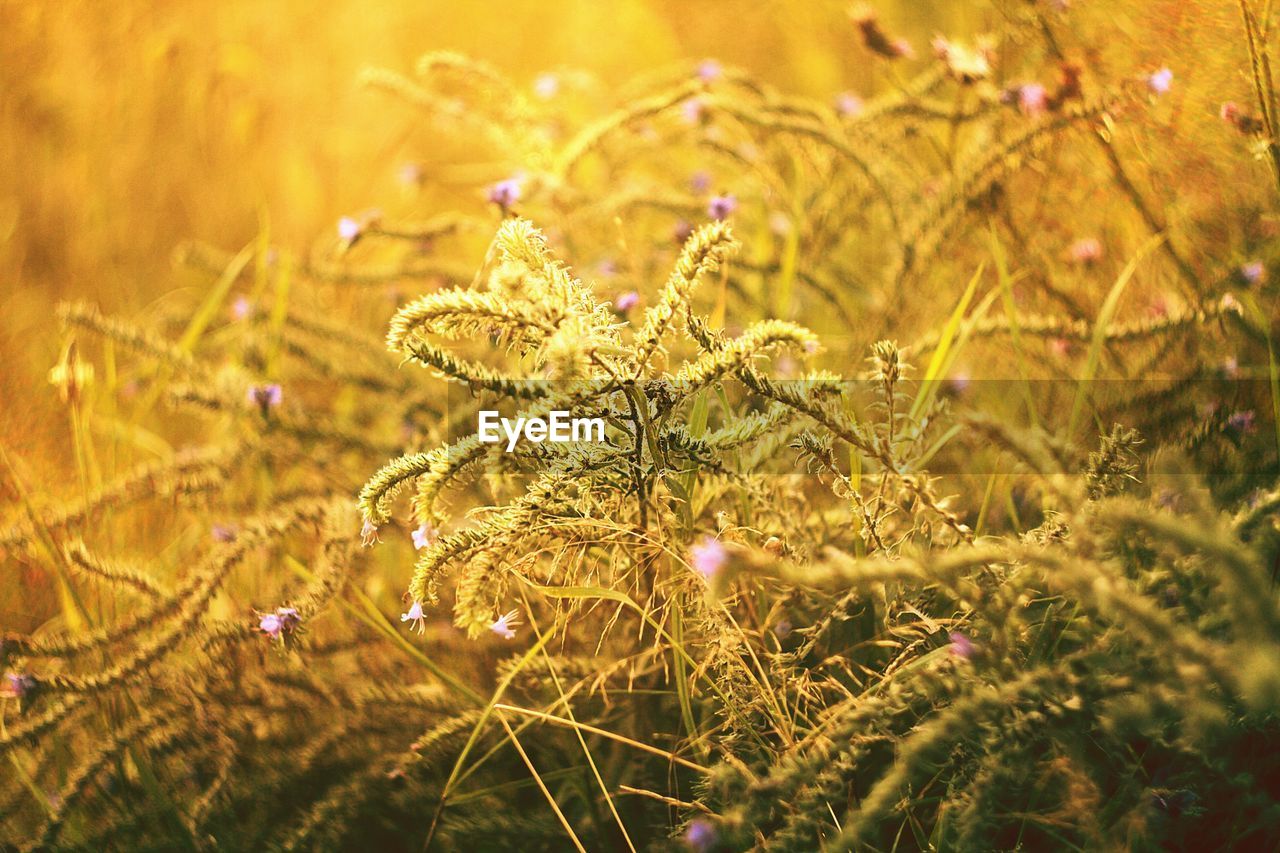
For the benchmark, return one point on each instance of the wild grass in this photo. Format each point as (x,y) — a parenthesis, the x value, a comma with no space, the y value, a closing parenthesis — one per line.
(937,507)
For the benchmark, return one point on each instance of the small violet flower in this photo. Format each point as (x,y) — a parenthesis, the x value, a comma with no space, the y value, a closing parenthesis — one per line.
(1234,115)
(709,70)
(700,181)
(241,308)
(349,229)
(708,557)
(503,626)
(682,231)
(1242,422)
(415,618)
(1253,272)
(721,206)
(961,646)
(1160,81)
(265,397)
(368,533)
(849,105)
(626,301)
(692,110)
(21,687)
(505,193)
(424,536)
(546,86)
(223,533)
(281,622)
(1086,250)
(700,835)
(270,625)
(1033,99)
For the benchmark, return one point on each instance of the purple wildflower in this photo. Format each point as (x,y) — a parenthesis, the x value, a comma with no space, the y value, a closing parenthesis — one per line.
(961,646)
(289,618)
(1253,272)
(270,625)
(626,301)
(708,557)
(505,193)
(783,629)
(692,110)
(368,533)
(849,105)
(709,70)
(424,536)
(265,397)
(223,533)
(721,206)
(700,835)
(241,308)
(546,86)
(1160,81)
(1033,99)
(1086,250)
(21,687)
(414,617)
(700,181)
(682,231)
(1234,115)
(503,626)
(349,229)
(279,623)
(1242,422)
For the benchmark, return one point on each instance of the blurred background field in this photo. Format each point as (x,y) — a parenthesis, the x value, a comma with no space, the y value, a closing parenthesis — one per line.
(125,130)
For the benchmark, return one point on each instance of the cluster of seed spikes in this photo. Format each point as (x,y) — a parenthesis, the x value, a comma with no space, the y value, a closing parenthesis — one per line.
(755,616)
